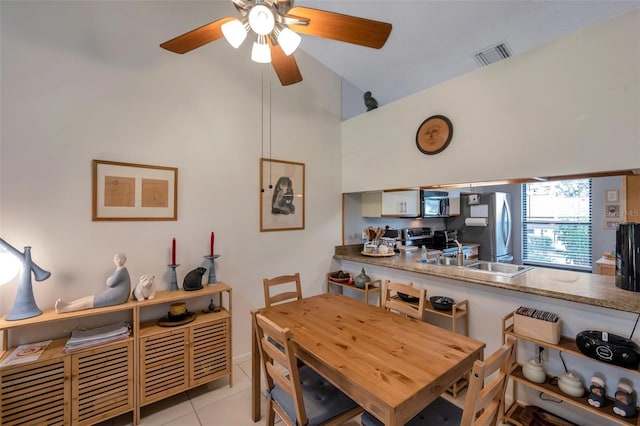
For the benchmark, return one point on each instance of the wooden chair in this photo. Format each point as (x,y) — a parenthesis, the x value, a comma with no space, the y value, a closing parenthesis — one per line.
(298,395)
(393,302)
(285,281)
(483,401)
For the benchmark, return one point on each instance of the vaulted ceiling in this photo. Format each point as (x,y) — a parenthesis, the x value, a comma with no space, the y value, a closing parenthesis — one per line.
(435,41)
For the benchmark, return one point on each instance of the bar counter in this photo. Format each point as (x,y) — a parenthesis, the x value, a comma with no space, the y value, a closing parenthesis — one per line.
(579,287)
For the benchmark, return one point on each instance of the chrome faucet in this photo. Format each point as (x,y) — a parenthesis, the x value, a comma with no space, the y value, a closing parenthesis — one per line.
(460,254)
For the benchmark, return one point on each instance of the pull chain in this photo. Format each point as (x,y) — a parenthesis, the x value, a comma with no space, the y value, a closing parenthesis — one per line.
(270,175)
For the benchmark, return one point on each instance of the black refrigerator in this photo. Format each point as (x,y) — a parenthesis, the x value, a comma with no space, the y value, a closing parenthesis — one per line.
(485,219)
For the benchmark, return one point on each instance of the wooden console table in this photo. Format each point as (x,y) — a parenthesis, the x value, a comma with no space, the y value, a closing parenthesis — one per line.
(95,384)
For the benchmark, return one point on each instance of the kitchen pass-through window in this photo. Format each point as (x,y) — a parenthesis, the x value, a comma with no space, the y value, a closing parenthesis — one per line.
(556,224)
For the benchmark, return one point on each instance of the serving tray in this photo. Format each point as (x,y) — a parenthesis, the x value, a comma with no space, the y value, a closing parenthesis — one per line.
(378,254)
(168,322)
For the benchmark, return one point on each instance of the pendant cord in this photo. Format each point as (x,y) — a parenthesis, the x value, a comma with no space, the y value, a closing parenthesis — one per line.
(262,113)
(262,121)
(270,175)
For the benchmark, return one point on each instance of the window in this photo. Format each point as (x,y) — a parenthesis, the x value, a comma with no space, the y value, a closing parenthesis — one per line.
(556,224)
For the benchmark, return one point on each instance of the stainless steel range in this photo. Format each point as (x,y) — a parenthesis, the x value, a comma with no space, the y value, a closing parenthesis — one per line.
(417,237)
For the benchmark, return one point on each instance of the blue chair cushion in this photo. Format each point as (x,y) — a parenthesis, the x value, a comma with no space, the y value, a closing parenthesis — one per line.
(322,400)
(281,349)
(439,412)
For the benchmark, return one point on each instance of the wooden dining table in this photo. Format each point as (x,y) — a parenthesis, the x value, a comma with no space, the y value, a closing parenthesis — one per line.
(391,365)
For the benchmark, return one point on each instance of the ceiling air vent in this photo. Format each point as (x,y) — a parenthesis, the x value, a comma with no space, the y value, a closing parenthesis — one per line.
(493,54)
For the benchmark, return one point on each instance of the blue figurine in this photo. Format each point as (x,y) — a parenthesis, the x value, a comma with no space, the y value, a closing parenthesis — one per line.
(117,292)
(370,102)
(624,405)
(597,392)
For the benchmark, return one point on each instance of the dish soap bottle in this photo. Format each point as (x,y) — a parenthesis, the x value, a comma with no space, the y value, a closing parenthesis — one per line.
(423,259)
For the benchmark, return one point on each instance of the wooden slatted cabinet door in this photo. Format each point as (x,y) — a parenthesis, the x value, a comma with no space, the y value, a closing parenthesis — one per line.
(34,393)
(102,383)
(210,351)
(163,365)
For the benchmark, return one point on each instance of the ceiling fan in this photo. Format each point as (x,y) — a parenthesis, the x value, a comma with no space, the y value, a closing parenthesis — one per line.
(276,24)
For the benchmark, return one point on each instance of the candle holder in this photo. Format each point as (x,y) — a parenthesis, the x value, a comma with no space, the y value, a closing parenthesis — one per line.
(212,268)
(173,279)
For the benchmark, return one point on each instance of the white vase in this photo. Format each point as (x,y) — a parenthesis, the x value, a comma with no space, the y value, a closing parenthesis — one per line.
(534,371)
(571,384)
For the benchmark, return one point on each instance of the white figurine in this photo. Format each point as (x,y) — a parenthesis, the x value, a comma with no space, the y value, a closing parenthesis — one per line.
(146,288)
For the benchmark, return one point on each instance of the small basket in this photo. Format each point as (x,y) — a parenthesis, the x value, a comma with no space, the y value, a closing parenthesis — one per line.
(546,331)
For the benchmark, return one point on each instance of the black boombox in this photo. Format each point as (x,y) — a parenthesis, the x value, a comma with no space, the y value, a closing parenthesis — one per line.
(610,348)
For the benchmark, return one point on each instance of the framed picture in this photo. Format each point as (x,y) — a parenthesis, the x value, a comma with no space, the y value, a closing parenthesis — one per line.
(124,191)
(611,224)
(611,196)
(281,195)
(612,210)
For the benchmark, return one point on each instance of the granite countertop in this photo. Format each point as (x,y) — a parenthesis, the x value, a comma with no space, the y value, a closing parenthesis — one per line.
(580,287)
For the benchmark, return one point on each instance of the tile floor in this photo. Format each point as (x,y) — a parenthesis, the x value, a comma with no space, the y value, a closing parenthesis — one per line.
(213,404)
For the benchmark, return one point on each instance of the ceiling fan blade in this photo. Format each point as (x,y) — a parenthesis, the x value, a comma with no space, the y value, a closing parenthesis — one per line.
(285,66)
(196,38)
(336,26)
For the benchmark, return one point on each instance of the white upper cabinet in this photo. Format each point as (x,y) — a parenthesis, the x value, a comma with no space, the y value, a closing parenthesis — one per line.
(401,203)
(405,203)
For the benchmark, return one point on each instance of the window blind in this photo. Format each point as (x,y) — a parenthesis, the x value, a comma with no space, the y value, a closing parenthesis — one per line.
(557,224)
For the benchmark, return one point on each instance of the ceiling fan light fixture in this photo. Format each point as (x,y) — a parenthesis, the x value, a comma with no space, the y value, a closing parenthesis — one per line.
(261,19)
(288,40)
(260,52)
(235,32)
(275,23)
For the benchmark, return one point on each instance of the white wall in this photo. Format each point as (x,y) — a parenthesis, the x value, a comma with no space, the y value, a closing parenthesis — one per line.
(352,101)
(87,80)
(572,106)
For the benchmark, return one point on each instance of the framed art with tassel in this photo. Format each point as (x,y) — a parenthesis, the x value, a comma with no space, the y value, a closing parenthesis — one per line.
(281,195)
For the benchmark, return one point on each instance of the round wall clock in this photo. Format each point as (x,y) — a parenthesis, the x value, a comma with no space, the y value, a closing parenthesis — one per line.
(434,134)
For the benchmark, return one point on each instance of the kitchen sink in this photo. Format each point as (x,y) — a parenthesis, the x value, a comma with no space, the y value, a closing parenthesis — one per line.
(446,261)
(506,269)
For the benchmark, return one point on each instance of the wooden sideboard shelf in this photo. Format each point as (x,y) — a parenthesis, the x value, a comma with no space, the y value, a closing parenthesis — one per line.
(458,310)
(369,287)
(566,345)
(88,386)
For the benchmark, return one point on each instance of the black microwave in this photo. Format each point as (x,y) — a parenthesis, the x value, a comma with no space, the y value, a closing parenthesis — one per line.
(434,204)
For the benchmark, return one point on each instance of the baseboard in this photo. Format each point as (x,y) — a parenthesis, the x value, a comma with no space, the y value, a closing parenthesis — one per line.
(241,358)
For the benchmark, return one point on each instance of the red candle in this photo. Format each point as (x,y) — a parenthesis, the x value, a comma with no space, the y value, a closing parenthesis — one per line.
(212,238)
(173,251)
